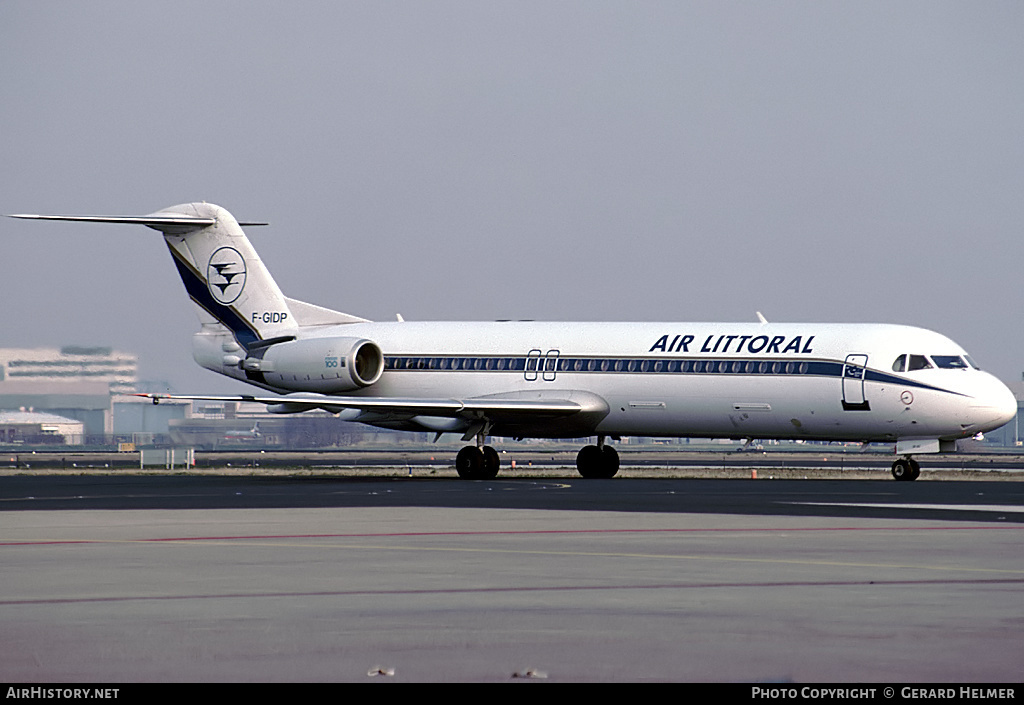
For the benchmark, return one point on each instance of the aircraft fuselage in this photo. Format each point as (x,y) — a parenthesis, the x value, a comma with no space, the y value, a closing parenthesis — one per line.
(736,380)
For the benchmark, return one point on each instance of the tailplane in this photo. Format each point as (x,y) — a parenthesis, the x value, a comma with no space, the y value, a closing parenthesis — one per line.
(224,275)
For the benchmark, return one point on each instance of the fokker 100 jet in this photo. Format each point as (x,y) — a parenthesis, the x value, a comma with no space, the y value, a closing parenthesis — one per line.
(806,381)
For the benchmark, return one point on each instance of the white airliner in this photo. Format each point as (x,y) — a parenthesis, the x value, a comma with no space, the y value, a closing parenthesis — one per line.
(252,434)
(813,381)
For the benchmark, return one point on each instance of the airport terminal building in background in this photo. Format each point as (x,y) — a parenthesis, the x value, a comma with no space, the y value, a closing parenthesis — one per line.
(82,396)
(77,384)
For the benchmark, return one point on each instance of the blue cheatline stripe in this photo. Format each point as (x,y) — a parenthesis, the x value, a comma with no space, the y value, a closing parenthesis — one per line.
(640,365)
(198,291)
(879,376)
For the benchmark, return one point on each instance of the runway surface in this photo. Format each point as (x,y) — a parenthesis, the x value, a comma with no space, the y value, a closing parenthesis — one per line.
(186,578)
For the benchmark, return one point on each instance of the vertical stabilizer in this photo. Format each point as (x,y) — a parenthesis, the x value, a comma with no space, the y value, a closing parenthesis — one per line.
(224,276)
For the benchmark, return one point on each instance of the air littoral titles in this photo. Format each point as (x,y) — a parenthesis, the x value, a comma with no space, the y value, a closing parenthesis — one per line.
(753,344)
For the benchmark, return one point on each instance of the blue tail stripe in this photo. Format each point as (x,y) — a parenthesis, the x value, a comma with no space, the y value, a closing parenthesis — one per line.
(198,291)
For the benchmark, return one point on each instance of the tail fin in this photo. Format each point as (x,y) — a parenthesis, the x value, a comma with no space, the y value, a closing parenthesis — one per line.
(222,273)
(224,276)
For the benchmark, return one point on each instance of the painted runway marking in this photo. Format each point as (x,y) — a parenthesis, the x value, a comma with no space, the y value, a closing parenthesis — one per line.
(1006,508)
(515,589)
(526,532)
(286,542)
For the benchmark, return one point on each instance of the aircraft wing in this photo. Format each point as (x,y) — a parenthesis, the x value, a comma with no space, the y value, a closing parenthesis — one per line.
(505,405)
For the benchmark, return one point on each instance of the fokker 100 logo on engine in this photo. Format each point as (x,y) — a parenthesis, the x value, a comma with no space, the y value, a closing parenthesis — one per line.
(225,275)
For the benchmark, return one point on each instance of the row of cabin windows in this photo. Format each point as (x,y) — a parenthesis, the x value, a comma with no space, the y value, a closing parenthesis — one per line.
(565,364)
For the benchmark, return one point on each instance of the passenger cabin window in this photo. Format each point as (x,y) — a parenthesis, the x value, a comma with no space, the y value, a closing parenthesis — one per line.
(900,364)
(918,362)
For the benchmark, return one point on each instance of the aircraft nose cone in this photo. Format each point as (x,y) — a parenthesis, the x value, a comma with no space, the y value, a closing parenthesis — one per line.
(993,408)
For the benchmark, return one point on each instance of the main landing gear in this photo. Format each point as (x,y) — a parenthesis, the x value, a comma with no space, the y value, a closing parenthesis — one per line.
(481,462)
(600,461)
(477,462)
(906,469)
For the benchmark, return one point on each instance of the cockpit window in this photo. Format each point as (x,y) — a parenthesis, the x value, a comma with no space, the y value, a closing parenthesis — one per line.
(910,363)
(949,362)
(918,362)
(971,362)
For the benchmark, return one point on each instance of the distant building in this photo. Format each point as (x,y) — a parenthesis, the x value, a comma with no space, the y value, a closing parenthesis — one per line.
(88,402)
(75,382)
(71,363)
(38,428)
(134,415)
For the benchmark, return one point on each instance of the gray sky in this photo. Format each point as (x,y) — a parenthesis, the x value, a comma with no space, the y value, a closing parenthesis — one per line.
(552,160)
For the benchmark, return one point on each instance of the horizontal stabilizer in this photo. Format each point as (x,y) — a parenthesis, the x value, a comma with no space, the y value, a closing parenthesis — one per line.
(163,223)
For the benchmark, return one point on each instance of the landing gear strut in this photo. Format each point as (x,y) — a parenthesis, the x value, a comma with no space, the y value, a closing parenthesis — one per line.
(598,461)
(906,469)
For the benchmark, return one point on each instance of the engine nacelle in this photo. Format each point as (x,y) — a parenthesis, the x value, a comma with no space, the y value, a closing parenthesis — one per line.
(326,365)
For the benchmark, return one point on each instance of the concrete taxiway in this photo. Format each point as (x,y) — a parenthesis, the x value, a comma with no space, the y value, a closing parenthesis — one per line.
(184,578)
